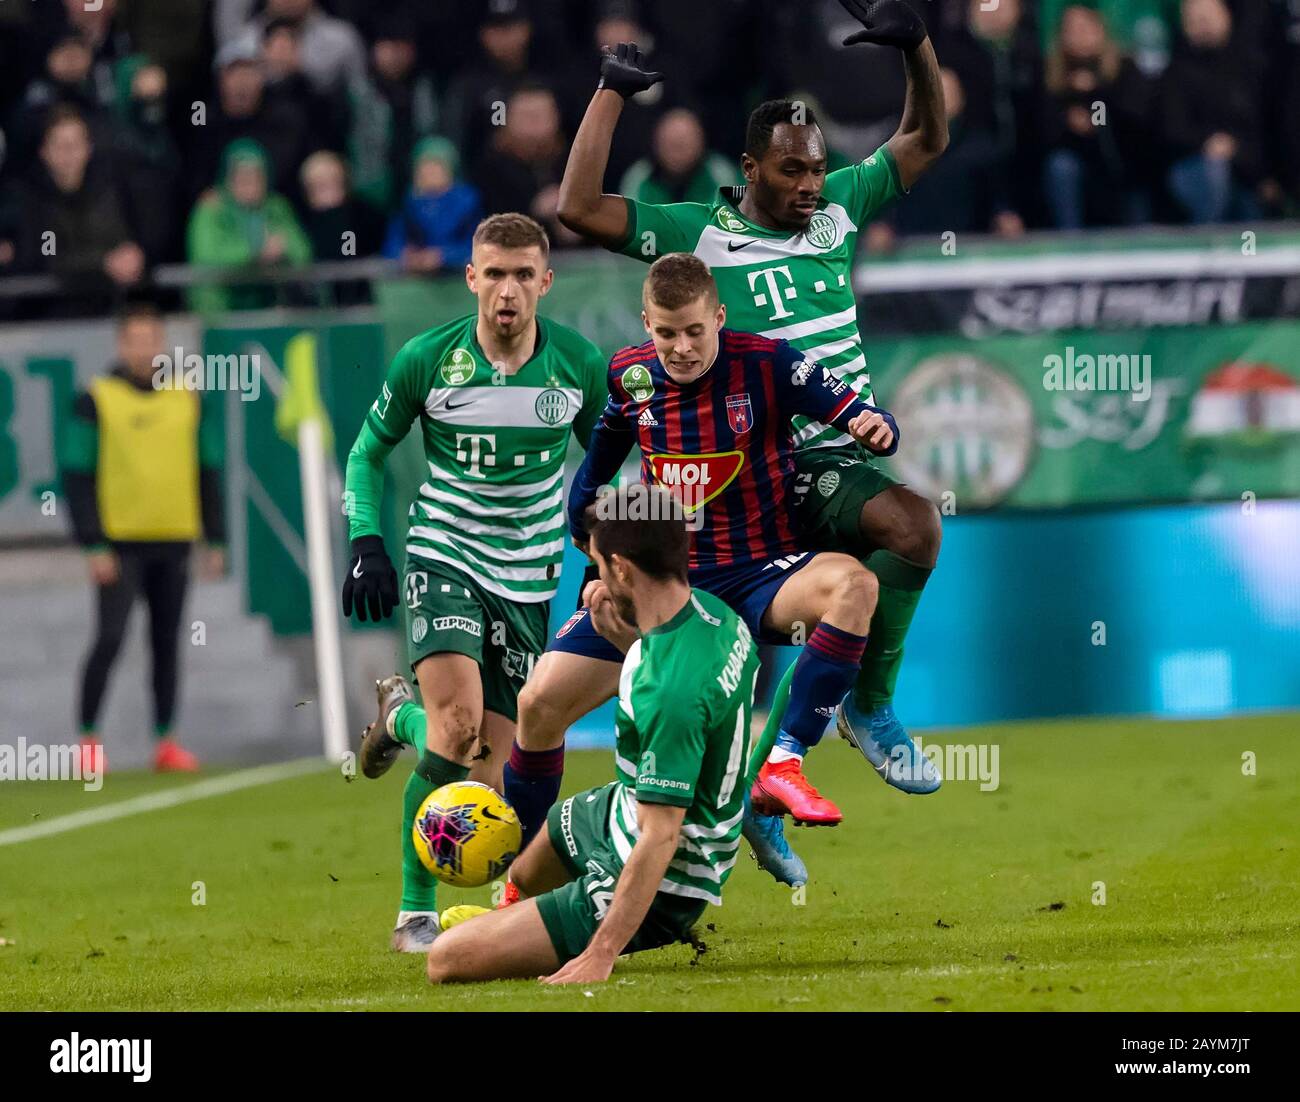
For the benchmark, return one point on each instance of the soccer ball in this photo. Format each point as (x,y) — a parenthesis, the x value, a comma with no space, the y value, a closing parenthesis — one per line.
(466,834)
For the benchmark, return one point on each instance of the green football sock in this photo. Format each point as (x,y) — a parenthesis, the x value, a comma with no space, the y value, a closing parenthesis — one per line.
(901,583)
(433,771)
(410,726)
(772,727)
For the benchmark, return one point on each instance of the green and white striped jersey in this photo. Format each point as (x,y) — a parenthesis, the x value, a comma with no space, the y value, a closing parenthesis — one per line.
(685,702)
(799,287)
(492,504)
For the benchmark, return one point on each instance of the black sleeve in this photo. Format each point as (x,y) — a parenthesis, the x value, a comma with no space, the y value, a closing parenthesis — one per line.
(210,505)
(78,472)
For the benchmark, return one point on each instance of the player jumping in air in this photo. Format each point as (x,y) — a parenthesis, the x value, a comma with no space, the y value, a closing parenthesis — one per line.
(497,394)
(632,864)
(781,248)
(711,411)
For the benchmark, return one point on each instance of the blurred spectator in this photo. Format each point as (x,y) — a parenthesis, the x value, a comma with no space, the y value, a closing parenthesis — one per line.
(390,112)
(333,53)
(435,226)
(286,83)
(617,22)
(242,110)
(70,218)
(146,161)
(966,189)
(477,97)
(338,224)
(1000,64)
(1213,111)
(173,34)
(1097,128)
(106,36)
(681,168)
(1145,27)
(856,91)
(243,224)
(66,80)
(523,169)
(705,46)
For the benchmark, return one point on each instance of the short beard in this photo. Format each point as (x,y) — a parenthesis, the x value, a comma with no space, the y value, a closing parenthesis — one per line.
(626,609)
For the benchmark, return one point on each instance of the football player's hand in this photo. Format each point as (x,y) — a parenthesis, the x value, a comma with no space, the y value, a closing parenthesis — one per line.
(371,583)
(872,431)
(886,23)
(605,616)
(105,569)
(586,967)
(622,70)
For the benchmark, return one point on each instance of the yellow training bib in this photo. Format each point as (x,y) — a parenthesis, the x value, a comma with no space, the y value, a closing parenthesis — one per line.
(148,474)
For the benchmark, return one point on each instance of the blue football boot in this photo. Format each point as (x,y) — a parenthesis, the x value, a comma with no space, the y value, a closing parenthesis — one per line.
(885,743)
(766,837)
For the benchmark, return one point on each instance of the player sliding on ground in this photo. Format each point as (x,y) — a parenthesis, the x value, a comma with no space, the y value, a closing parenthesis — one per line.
(497,394)
(781,248)
(632,864)
(711,410)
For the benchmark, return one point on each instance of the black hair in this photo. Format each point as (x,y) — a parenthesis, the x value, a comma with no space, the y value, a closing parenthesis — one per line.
(645,525)
(767,116)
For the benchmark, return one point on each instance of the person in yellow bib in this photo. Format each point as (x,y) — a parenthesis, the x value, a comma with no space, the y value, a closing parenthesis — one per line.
(141,473)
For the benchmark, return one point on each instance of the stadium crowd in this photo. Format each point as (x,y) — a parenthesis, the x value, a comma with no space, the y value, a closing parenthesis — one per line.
(248,133)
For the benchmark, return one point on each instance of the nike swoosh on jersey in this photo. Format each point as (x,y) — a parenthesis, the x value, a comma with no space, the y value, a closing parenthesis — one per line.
(732,247)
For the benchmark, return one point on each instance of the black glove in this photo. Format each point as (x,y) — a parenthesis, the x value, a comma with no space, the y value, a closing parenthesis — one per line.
(621,71)
(887,23)
(371,582)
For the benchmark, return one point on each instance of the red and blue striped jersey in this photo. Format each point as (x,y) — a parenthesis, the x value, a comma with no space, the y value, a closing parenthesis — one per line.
(722,443)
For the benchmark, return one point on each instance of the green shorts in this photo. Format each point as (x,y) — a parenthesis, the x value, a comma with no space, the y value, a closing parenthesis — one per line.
(447,612)
(830,487)
(578,829)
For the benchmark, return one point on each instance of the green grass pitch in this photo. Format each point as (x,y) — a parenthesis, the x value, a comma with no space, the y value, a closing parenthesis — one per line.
(964,900)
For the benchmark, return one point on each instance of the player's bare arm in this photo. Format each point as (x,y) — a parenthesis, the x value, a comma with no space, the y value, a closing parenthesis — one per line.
(582,207)
(661,826)
(922,135)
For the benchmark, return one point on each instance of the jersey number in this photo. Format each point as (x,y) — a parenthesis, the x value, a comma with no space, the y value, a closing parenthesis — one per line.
(737,759)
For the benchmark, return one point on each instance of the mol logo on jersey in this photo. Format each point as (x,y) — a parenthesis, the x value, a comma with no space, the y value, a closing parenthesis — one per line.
(696,479)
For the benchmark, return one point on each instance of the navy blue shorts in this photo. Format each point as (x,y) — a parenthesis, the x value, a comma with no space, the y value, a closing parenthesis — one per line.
(748,588)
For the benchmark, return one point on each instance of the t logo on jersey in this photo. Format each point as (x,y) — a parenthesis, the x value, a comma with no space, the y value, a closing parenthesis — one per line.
(740,414)
(473,448)
(695,480)
(775,294)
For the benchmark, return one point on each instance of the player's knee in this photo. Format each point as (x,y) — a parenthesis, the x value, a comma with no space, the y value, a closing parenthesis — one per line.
(440,965)
(455,727)
(858,589)
(521,875)
(919,539)
(541,724)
